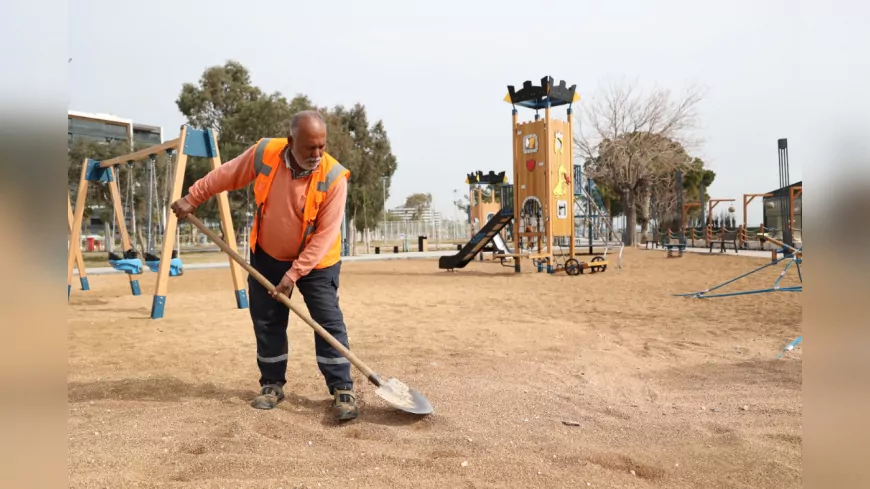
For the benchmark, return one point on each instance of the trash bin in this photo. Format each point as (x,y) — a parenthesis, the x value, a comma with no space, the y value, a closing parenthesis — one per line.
(422,243)
(90,244)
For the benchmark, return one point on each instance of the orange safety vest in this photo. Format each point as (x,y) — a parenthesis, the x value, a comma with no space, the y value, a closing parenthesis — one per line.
(267,157)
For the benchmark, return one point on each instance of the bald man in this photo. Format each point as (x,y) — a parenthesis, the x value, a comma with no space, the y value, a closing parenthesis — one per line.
(300,193)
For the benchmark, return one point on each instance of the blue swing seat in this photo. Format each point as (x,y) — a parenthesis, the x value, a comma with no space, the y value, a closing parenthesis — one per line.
(129,263)
(176,268)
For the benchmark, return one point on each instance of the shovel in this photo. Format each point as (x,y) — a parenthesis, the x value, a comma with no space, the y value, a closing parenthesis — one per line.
(393,390)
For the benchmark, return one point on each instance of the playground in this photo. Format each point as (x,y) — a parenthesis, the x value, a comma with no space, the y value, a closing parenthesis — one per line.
(537,379)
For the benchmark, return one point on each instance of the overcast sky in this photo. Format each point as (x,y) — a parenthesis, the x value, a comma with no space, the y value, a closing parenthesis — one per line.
(436,72)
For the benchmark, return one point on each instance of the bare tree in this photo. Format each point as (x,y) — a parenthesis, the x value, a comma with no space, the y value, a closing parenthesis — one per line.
(634,142)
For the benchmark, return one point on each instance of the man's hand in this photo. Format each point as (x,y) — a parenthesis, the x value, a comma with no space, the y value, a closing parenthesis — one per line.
(181,208)
(284,287)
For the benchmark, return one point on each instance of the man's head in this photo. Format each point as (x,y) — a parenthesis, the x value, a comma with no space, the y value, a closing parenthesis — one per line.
(307,138)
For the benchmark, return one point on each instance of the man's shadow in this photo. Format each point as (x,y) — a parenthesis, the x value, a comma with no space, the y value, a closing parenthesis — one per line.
(170,389)
(157,389)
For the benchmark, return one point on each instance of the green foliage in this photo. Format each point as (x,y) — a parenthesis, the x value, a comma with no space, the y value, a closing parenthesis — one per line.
(611,199)
(225,99)
(364,150)
(694,177)
(418,202)
(99,201)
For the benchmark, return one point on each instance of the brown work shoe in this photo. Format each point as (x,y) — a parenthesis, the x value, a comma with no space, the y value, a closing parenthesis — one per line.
(270,396)
(344,405)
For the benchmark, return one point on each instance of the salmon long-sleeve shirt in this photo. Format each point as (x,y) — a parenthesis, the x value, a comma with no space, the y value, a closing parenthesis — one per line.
(280,232)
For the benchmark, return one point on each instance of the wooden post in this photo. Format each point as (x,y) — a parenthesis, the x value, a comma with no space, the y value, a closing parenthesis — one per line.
(746,209)
(747,199)
(229,235)
(126,244)
(570,149)
(80,262)
(548,188)
(76,234)
(200,143)
(517,211)
(159,302)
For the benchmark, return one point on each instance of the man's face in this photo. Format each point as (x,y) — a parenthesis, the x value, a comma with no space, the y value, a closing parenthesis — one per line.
(309,144)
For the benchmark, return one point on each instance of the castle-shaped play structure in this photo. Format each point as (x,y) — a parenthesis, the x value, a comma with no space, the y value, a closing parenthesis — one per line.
(540,205)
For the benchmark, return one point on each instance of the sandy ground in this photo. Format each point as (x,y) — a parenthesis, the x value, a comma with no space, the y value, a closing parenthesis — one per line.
(537,380)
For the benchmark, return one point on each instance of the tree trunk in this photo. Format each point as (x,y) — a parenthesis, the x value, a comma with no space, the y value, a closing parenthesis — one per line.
(107,230)
(630,219)
(645,213)
(353,226)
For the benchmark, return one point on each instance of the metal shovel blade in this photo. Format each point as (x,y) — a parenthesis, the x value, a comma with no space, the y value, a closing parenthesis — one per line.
(403,397)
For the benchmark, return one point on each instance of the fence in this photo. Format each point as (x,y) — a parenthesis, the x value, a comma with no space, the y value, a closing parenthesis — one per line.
(397,231)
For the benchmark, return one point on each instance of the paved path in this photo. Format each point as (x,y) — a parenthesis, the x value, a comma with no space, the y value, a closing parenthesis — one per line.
(706,251)
(416,255)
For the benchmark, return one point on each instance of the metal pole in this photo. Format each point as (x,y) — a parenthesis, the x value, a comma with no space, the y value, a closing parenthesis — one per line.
(785,198)
(589,211)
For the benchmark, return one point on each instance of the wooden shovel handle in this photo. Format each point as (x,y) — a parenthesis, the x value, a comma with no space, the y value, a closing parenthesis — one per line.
(372,376)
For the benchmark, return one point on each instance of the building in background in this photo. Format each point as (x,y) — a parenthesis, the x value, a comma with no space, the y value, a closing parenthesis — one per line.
(108,128)
(408,214)
(776,208)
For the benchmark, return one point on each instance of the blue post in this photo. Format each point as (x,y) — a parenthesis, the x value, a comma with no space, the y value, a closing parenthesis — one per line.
(134,286)
(242,299)
(84,282)
(157,306)
(698,294)
(791,346)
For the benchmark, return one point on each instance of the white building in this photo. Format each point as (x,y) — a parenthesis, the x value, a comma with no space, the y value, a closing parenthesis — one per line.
(107,127)
(407,214)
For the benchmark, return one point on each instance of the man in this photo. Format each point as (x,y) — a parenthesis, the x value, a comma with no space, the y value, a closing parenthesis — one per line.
(300,193)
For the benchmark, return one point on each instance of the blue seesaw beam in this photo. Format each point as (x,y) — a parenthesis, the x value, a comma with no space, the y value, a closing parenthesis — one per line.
(791,346)
(792,260)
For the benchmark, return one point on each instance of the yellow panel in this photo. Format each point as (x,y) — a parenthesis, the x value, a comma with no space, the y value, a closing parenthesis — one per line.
(530,154)
(561,168)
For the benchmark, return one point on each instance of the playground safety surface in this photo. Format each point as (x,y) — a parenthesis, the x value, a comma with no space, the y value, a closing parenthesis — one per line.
(538,381)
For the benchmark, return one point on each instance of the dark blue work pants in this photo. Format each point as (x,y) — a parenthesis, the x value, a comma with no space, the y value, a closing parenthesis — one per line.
(270,317)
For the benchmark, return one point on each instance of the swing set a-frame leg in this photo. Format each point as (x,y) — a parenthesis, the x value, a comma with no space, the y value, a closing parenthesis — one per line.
(200,143)
(79,260)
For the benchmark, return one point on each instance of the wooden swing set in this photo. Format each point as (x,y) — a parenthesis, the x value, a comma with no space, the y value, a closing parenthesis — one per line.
(190,142)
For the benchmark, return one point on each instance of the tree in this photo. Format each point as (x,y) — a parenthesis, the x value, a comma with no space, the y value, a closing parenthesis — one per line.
(365,151)
(225,100)
(99,201)
(418,202)
(632,143)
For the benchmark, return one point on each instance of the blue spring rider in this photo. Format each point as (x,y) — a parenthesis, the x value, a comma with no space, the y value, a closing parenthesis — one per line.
(176,268)
(129,263)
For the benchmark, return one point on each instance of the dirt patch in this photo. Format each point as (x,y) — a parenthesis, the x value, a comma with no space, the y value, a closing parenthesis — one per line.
(658,391)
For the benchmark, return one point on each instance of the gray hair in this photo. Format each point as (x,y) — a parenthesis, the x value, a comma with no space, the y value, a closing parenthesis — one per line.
(300,116)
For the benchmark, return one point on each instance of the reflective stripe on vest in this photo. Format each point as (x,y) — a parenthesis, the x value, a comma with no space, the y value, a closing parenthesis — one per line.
(259,167)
